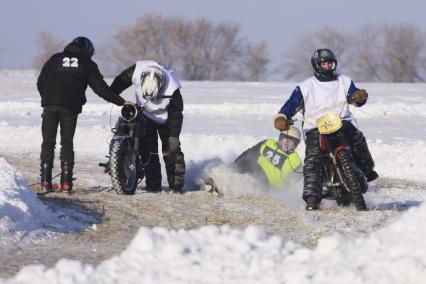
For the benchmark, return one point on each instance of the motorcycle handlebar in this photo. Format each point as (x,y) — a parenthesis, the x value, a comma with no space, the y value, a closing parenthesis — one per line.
(129,111)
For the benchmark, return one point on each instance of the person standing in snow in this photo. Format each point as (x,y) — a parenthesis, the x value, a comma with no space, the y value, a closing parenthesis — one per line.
(159,90)
(325,89)
(62,84)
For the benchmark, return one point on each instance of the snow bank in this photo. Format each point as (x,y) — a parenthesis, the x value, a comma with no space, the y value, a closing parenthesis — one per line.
(23,214)
(222,255)
(371,110)
(400,159)
(20,209)
(397,158)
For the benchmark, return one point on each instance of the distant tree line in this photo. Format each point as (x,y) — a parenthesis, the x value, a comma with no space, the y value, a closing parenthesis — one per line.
(203,50)
(197,50)
(386,53)
(48,44)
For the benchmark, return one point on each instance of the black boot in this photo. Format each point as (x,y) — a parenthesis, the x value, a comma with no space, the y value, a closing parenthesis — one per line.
(372,175)
(66,176)
(46,176)
(312,203)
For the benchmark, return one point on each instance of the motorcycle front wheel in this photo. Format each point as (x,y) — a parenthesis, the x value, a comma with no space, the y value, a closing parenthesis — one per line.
(124,175)
(351,179)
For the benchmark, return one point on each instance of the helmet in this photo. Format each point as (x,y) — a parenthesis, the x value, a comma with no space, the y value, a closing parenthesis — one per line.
(84,44)
(152,80)
(292,133)
(324,55)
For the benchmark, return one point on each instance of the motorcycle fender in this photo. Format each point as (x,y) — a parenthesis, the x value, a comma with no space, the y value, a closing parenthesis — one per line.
(323,144)
(339,148)
(119,138)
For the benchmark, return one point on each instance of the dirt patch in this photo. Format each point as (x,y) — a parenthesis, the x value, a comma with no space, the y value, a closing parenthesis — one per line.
(117,218)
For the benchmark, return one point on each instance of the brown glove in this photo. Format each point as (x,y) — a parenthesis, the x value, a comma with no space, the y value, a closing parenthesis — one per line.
(280,122)
(359,95)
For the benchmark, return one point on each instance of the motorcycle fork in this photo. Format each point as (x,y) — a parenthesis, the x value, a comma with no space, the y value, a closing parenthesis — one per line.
(331,145)
(138,130)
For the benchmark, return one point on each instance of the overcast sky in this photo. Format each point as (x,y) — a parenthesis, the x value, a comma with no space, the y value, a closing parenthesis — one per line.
(278,22)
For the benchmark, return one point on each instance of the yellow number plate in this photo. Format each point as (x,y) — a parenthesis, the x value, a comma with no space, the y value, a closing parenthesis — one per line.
(329,123)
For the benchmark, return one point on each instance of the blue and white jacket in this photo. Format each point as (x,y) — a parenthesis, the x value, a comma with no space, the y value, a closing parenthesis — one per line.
(313,97)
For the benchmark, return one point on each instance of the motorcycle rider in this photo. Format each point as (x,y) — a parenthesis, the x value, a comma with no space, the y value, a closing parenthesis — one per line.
(325,89)
(272,161)
(62,84)
(158,88)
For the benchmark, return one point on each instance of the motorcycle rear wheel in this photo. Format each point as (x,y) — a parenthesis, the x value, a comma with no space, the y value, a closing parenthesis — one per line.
(124,175)
(351,179)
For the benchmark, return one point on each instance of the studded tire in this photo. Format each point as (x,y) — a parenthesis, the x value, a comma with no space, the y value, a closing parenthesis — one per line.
(351,179)
(124,176)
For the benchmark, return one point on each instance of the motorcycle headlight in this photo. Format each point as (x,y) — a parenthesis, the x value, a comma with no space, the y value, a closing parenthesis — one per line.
(129,112)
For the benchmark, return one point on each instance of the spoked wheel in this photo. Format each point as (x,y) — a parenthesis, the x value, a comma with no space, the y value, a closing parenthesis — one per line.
(124,172)
(342,196)
(352,180)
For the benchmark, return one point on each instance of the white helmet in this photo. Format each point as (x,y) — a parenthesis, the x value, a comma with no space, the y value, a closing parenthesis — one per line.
(293,133)
(152,80)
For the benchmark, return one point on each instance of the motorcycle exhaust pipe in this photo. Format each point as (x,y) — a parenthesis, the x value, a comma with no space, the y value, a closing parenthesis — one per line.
(129,112)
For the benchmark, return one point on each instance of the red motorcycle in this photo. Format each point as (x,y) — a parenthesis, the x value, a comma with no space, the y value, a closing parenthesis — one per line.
(343,179)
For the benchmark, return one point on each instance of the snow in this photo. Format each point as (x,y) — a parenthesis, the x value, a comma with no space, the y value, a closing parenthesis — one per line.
(23,214)
(221,120)
(222,255)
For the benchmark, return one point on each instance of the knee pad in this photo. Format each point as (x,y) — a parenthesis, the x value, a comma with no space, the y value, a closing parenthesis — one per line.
(175,165)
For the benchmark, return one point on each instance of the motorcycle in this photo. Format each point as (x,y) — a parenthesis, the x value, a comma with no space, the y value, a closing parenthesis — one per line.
(124,163)
(343,179)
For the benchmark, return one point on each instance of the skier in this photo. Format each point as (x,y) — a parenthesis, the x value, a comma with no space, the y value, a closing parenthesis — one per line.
(272,162)
(158,88)
(324,89)
(62,84)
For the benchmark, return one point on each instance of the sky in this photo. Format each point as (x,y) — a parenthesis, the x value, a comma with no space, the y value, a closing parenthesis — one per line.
(278,22)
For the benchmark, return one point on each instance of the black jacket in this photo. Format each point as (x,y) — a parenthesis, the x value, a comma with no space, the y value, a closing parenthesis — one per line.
(247,163)
(174,110)
(64,78)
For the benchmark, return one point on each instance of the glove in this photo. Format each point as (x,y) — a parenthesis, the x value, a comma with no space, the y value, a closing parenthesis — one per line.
(359,96)
(174,144)
(280,122)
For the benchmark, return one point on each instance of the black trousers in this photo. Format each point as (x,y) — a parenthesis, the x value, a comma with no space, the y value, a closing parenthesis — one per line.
(148,149)
(313,168)
(53,116)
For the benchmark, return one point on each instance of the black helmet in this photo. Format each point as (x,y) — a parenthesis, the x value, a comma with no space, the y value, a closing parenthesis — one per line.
(324,55)
(84,45)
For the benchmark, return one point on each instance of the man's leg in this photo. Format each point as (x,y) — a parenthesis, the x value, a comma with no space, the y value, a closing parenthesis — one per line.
(68,123)
(361,153)
(49,128)
(313,169)
(174,162)
(148,149)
